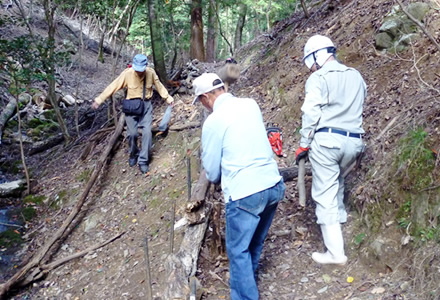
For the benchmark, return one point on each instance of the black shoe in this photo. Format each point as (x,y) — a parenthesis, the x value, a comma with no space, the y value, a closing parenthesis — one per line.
(132,161)
(144,168)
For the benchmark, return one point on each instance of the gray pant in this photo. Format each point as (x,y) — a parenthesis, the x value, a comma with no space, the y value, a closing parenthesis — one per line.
(143,122)
(330,154)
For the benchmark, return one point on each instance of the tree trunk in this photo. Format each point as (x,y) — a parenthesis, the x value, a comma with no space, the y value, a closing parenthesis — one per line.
(25,17)
(306,12)
(269,6)
(101,40)
(222,33)
(81,49)
(197,50)
(20,138)
(49,9)
(157,43)
(242,10)
(211,39)
(127,28)
(116,27)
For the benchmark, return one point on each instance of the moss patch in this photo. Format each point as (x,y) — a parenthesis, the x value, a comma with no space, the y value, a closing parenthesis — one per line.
(84,176)
(415,162)
(28,213)
(10,238)
(34,199)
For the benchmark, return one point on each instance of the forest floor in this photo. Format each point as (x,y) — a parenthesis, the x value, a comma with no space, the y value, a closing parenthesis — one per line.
(124,200)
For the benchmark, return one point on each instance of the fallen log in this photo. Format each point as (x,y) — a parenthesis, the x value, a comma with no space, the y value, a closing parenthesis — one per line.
(8,112)
(40,254)
(289,174)
(46,144)
(183,265)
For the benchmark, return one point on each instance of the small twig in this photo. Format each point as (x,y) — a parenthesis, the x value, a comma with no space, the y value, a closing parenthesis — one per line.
(59,262)
(418,71)
(219,278)
(11,225)
(419,24)
(430,188)
(387,127)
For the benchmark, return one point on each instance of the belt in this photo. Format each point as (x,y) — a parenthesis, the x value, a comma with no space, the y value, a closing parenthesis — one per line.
(341,132)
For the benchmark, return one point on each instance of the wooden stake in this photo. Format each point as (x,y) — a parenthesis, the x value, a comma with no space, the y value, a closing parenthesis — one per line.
(147,269)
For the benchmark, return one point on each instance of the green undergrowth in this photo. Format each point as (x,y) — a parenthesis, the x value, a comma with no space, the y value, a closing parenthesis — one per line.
(409,197)
(10,238)
(418,194)
(34,199)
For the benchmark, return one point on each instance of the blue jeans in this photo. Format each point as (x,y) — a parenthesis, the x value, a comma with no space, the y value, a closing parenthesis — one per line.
(247,223)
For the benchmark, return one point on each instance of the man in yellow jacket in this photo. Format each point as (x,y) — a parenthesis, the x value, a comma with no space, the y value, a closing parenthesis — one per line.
(133,79)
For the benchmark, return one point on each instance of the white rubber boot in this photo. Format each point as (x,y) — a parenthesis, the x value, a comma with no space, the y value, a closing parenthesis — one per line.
(334,242)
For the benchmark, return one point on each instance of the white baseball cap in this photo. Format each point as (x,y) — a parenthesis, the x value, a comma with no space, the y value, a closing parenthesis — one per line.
(206,83)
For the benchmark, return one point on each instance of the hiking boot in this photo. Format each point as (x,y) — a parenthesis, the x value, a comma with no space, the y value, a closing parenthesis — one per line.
(132,161)
(144,168)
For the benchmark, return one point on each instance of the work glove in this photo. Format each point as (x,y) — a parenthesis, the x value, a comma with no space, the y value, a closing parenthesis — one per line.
(170,99)
(301,153)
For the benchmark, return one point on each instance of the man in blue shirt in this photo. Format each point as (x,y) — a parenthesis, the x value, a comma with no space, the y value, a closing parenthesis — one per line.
(236,151)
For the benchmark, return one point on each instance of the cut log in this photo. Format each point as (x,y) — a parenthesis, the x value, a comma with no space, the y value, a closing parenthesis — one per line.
(8,112)
(41,253)
(12,189)
(183,265)
(289,174)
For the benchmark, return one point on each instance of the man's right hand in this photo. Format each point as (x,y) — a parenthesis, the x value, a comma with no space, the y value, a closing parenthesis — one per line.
(95,105)
(301,153)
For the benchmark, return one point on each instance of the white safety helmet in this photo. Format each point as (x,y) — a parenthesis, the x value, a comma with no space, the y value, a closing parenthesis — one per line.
(317,50)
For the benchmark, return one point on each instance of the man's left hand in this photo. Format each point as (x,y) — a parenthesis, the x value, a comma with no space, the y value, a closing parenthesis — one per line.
(301,153)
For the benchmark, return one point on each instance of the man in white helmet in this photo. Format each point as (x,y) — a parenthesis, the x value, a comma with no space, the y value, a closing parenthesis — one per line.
(331,136)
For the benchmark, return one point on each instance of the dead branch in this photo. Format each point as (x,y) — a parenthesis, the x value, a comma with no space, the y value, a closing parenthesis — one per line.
(41,253)
(39,272)
(416,61)
(421,26)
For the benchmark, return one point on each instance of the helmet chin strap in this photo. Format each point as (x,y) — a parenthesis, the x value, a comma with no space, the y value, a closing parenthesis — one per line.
(316,63)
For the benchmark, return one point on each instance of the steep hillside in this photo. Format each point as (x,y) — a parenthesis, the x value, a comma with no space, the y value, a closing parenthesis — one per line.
(388,257)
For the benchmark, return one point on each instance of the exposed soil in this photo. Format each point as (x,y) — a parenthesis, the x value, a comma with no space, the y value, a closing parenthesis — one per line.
(124,200)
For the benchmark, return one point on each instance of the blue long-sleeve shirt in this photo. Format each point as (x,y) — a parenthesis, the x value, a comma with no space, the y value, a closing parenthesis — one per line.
(236,148)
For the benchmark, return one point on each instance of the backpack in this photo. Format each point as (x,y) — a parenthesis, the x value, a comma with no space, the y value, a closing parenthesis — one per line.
(275,137)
